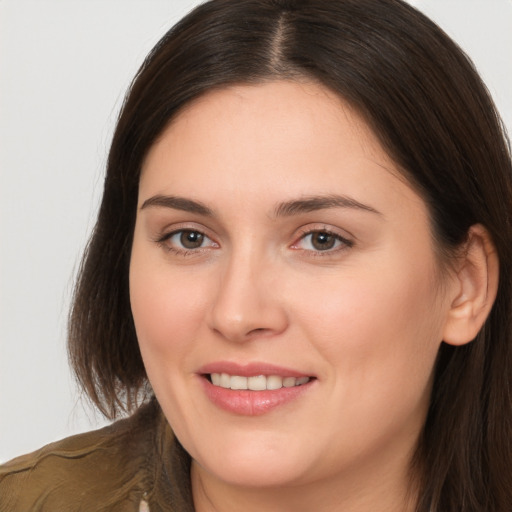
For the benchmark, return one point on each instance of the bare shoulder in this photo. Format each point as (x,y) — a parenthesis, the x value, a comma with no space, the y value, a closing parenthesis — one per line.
(107,469)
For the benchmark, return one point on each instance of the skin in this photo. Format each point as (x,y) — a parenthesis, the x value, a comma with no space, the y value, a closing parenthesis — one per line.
(365,317)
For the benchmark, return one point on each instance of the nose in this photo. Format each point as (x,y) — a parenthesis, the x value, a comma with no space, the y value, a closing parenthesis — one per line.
(247,301)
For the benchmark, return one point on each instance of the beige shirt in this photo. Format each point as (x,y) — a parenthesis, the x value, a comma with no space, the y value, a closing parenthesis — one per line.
(133,465)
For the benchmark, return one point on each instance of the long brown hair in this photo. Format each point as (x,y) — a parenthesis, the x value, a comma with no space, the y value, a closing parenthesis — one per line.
(432,113)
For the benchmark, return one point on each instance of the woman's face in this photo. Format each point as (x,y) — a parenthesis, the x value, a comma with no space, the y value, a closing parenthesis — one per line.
(278,248)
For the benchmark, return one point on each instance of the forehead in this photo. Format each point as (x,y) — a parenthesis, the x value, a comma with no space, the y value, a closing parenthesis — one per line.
(273,138)
(276,106)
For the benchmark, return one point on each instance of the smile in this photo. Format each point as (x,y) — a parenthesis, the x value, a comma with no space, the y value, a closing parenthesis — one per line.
(254,388)
(256,383)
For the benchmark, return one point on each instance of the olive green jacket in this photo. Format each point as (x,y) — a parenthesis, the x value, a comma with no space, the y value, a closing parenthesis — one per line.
(121,468)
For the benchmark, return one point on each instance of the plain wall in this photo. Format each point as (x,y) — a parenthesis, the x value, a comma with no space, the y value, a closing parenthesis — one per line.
(64,68)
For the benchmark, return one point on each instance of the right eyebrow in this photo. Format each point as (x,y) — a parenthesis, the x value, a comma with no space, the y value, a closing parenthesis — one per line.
(177,203)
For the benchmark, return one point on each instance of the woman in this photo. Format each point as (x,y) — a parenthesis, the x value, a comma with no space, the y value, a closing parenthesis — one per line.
(301,263)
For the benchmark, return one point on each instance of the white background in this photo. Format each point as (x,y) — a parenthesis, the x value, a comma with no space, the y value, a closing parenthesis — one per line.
(64,67)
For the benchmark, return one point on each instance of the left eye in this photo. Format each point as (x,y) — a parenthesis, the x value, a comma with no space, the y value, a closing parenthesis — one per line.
(321,241)
(189,239)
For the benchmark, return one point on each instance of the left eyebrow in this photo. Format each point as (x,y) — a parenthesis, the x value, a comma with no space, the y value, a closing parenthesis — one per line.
(313,203)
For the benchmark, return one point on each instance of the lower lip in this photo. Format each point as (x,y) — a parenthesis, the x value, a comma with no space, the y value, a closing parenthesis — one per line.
(252,403)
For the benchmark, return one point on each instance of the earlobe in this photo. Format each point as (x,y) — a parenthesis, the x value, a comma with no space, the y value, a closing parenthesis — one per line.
(475,288)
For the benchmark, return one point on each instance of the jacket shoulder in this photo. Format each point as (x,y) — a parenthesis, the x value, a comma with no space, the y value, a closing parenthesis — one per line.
(106,469)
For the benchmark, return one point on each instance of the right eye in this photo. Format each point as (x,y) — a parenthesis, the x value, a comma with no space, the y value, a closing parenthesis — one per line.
(186,240)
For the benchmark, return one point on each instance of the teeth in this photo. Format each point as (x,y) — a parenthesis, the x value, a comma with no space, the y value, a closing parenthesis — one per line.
(225,381)
(256,383)
(289,382)
(237,382)
(274,382)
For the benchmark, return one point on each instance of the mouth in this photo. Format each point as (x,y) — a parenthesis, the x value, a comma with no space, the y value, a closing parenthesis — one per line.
(254,389)
(256,382)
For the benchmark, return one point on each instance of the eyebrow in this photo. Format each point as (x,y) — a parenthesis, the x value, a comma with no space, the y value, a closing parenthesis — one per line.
(286,209)
(313,203)
(178,203)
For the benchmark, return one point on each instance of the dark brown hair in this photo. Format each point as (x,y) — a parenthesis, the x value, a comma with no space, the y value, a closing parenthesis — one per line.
(430,110)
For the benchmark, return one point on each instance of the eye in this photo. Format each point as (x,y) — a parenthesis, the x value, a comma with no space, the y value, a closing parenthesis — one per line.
(186,240)
(322,241)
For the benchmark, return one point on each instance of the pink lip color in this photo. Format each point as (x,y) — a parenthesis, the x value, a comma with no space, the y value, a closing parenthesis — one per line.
(250,370)
(247,402)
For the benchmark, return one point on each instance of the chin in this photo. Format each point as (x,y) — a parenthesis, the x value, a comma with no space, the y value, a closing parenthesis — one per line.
(265,474)
(257,464)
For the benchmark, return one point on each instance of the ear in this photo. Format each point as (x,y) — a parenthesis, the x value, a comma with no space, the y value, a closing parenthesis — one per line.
(476,286)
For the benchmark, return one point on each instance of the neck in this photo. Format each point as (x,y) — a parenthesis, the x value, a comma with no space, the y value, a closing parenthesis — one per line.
(387,489)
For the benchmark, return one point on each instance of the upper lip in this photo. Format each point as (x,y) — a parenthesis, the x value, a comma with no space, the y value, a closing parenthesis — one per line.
(251,369)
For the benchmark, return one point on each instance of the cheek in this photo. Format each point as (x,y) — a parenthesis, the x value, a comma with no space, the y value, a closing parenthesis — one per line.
(380,330)
(393,304)
(167,307)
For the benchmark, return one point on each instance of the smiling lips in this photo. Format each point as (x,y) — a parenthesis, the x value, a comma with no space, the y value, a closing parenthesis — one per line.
(256,383)
(254,389)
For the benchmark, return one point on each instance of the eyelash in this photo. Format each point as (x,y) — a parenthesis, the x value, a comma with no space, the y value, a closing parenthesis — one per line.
(344,242)
(163,241)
